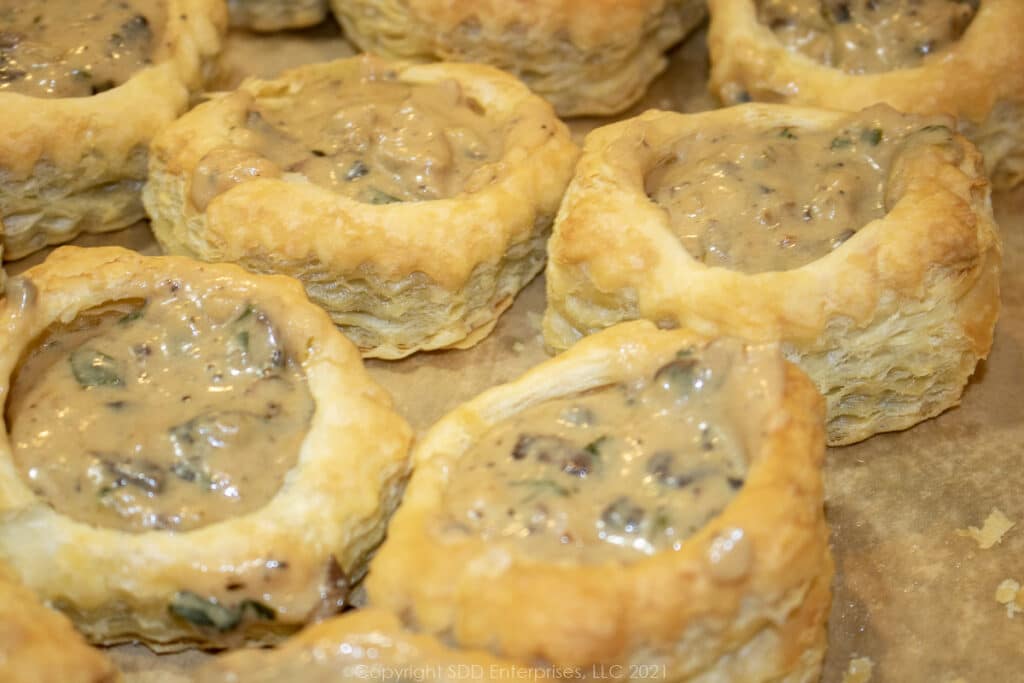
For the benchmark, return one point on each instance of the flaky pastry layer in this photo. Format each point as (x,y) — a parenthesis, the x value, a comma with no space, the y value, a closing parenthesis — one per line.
(890,325)
(297,556)
(77,164)
(980,79)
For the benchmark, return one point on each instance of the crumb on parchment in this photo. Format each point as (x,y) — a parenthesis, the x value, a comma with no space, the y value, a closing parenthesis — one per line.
(991,532)
(859,670)
(1008,593)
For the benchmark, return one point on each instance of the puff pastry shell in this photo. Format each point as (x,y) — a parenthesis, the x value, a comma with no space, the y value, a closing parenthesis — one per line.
(398,277)
(365,644)
(762,622)
(980,79)
(595,57)
(291,555)
(39,645)
(275,15)
(889,326)
(77,164)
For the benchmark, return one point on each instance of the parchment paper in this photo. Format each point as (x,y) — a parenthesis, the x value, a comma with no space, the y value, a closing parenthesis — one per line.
(910,594)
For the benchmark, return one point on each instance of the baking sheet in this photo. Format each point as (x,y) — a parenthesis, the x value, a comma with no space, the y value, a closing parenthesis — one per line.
(910,594)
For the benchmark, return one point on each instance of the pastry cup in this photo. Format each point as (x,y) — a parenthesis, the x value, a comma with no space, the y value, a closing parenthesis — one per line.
(77,164)
(889,326)
(980,79)
(40,645)
(276,15)
(584,58)
(296,556)
(360,645)
(396,278)
(692,613)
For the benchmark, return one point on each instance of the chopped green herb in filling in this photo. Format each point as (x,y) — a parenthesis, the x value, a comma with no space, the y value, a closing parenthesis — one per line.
(171,413)
(868,36)
(208,613)
(777,199)
(617,472)
(376,139)
(65,48)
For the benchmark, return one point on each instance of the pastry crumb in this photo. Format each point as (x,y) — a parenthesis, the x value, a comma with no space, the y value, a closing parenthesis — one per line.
(518,346)
(859,670)
(991,532)
(1008,593)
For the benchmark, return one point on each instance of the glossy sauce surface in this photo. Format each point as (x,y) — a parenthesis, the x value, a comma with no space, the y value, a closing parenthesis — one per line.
(756,200)
(619,472)
(171,413)
(375,139)
(868,36)
(75,48)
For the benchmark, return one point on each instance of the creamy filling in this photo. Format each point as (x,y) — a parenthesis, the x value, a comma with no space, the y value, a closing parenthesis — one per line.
(756,200)
(75,48)
(169,413)
(868,36)
(375,139)
(618,472)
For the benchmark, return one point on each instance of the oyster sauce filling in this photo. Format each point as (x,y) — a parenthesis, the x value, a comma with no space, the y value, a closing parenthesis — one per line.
(621,471)
(75,48)
(772,199)
(170,413)
(868,36)
(376,139)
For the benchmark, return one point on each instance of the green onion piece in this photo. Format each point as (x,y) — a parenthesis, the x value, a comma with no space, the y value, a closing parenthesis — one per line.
(375,196)
(211,614)
(872,136)
(594,447)
(93,368)
(206,613)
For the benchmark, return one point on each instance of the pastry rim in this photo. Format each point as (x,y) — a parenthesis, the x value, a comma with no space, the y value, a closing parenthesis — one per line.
(333,502)
(59,139)
(939,239)
(441,241)
(441,592)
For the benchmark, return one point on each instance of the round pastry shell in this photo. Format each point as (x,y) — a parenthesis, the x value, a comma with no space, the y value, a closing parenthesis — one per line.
(328,515)
(592,57)
(765,622)
(890,326)
(397,278)
(76,165)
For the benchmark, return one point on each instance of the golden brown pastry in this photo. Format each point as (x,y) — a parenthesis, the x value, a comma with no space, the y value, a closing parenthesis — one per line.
(39,645)
(594,57)
(413,202)
(366,644)
(276,15)
(193,455)
(84,85)
(863,242)
(959,57)
(645,499)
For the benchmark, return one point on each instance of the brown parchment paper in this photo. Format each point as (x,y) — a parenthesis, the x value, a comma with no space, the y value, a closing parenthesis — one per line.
(910,594)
